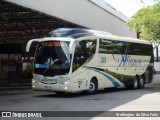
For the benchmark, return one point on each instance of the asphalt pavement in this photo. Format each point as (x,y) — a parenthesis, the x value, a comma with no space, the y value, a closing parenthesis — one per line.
(147,99)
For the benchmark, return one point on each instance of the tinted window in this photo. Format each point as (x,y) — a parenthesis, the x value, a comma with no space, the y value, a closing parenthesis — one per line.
(121,47)
(112,46)
(84,51)
(140,49)
(52,58)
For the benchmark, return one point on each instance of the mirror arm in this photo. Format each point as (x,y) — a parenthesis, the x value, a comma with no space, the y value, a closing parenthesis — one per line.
(30,43)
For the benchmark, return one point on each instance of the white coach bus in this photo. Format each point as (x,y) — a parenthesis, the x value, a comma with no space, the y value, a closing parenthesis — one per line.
(76,59)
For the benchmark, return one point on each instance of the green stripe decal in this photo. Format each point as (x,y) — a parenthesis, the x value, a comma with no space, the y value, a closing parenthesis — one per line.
(115,83)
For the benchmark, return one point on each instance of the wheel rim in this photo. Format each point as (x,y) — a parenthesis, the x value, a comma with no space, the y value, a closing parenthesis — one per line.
(91,87)
(141,82)
(135,83)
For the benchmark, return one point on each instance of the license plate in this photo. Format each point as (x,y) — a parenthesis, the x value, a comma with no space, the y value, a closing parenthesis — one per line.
(48,88)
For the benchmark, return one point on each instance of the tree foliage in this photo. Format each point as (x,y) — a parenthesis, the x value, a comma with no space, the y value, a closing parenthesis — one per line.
(147,22)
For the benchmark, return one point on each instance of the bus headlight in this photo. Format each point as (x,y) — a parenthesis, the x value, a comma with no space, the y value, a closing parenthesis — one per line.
(33,81)
(67,82)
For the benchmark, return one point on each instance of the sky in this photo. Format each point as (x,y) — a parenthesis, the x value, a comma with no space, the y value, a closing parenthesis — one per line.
(128,7)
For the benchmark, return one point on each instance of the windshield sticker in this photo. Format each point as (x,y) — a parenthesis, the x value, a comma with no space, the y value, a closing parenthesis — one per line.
(41,66)
(103,59)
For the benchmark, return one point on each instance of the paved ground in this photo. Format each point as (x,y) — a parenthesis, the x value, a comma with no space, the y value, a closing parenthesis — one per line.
(147,99)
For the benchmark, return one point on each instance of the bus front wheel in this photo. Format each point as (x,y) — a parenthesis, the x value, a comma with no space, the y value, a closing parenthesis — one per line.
(93,86)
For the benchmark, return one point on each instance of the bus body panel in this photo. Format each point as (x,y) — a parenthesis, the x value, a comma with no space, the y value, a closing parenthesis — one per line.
(111,69)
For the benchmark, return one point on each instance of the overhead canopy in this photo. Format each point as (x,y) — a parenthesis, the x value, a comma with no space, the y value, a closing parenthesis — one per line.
(20,24)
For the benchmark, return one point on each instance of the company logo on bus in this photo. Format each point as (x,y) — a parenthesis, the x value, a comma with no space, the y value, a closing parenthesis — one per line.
(127,60)
(49,81)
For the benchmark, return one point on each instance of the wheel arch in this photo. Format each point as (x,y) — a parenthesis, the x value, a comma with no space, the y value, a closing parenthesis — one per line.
(96,80)
(143,77)
(138,76)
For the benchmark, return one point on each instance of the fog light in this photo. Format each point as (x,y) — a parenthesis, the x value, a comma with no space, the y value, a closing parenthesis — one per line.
(33,86)
(33,81)
(67,82)
(65,88)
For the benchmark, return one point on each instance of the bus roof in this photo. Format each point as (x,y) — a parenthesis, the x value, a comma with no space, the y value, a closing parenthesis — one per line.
(126,39)
(82,33)
(71,34)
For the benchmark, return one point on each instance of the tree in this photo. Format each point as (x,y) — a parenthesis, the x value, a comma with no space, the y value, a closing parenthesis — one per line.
(143,2)
(147,22)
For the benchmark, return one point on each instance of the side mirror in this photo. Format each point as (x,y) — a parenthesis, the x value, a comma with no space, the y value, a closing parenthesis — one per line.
(29,44)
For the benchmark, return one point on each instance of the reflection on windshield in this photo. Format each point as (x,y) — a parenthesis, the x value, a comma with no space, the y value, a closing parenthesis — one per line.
(84,52)
(52,58)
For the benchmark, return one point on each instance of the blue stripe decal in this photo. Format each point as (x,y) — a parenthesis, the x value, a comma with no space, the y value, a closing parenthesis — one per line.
(116,84)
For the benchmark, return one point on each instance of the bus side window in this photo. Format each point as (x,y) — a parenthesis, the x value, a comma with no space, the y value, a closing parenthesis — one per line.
(107,46)
(83,51)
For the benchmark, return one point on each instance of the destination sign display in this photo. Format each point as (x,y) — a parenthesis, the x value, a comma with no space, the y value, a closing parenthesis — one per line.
(53,43)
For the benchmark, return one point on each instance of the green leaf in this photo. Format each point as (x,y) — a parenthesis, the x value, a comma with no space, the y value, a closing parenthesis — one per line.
(147,22)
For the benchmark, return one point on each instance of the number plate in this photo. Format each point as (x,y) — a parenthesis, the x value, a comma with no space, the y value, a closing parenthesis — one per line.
(48,88)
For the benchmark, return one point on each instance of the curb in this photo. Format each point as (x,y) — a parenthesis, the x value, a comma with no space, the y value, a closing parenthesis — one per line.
(15,87)
(157,72)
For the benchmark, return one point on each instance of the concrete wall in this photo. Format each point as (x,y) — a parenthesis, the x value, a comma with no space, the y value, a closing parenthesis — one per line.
(94,14)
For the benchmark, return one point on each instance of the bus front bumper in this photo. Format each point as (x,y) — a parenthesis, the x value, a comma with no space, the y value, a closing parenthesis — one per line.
(58,87)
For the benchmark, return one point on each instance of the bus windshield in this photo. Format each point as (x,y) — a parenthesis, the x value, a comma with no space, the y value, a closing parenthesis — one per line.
(52,58)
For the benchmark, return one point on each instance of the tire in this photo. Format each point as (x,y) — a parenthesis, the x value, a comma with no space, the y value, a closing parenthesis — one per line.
(141,82)
(135,83)
(92,87)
